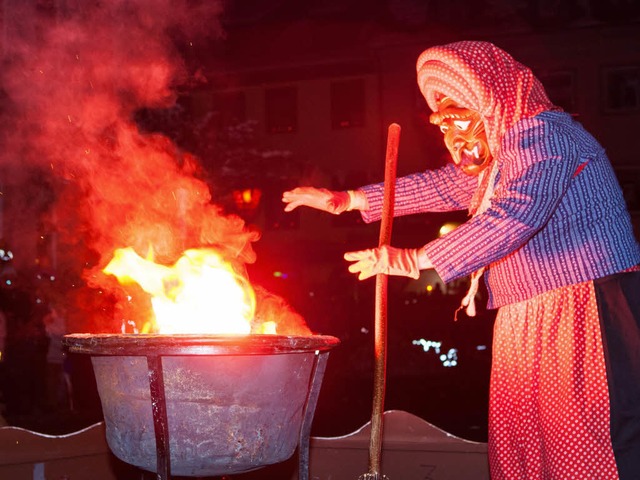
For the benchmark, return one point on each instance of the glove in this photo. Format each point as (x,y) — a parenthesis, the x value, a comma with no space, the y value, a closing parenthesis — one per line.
(323,199)
(405,262)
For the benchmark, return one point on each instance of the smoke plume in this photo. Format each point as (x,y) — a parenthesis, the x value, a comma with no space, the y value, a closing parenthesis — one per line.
(73,161)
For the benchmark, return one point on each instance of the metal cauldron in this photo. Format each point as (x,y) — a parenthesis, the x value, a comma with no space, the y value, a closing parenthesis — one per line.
(206,405)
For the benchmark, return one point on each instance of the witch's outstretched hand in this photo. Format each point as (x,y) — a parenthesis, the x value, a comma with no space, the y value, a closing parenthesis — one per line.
(323,199)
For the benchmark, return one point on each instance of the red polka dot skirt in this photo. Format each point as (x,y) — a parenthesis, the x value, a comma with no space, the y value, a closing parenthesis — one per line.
(549,404)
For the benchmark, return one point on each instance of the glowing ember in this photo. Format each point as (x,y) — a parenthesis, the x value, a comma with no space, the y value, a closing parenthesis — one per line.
(200,293)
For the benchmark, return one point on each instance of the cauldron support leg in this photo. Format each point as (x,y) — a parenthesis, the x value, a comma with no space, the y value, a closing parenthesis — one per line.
(160,423)
(320,363)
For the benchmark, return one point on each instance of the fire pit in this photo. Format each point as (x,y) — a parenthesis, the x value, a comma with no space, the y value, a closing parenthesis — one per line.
(207,405)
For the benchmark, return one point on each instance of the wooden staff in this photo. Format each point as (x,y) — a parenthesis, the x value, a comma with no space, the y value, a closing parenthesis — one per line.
(379,379)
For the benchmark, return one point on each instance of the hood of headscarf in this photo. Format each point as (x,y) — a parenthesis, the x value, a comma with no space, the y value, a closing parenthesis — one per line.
(482,77)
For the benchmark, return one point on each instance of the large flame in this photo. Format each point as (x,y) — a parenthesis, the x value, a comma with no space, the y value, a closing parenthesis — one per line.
(200,293)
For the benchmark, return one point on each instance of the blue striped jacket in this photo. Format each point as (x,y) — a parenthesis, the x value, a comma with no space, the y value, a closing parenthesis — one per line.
(557,214)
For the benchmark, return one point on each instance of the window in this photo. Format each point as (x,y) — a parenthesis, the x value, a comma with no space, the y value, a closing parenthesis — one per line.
(622,89)
(229,108)
(347,104)
(281,108)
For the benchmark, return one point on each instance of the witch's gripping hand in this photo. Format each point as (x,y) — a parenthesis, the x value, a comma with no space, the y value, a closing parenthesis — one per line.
(405,262)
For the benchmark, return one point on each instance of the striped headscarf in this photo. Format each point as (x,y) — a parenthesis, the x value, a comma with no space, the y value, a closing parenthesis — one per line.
(482,77)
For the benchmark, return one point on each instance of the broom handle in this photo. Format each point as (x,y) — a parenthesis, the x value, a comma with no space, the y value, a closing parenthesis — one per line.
(379,379)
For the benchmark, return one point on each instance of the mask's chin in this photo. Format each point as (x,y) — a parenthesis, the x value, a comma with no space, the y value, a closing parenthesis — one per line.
(472,161)
(472,170)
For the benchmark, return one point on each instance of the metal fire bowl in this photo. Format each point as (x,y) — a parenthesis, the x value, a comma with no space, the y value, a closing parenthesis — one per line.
(233,403)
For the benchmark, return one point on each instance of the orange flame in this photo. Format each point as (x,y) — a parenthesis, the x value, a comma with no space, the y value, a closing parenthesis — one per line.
(200,293)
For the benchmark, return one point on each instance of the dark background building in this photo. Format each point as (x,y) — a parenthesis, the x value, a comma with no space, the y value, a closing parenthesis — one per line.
(317,85)
(302,93)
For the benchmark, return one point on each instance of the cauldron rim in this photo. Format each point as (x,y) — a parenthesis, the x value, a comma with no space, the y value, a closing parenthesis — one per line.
(195,344)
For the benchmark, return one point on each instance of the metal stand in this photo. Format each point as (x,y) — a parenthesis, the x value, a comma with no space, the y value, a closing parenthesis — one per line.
(161,425)
(160,422)
(317,374)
